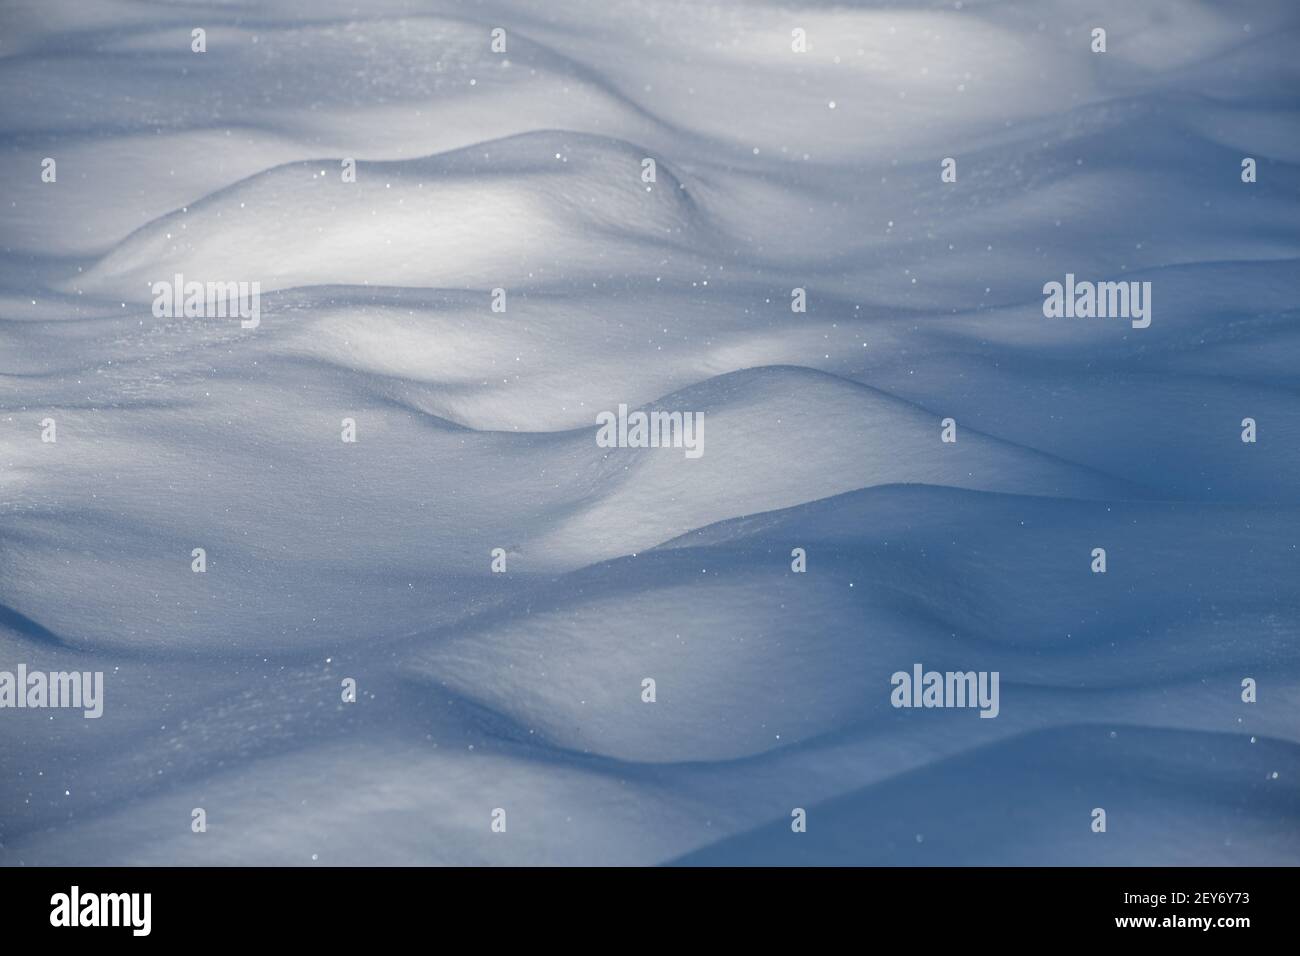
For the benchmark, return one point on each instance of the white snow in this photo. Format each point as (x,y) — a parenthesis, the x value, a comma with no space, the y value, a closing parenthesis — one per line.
(476,430)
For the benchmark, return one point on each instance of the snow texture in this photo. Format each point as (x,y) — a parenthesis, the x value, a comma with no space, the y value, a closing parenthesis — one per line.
(476,430)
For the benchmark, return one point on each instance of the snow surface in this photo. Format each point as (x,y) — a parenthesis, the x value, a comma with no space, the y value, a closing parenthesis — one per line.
(776,170)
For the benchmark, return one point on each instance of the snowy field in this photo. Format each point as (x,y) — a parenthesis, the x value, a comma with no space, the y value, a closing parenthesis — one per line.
(734,210)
